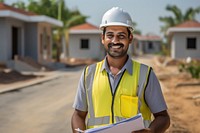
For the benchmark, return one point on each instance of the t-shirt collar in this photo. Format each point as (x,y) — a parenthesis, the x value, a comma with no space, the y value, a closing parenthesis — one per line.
(128,66)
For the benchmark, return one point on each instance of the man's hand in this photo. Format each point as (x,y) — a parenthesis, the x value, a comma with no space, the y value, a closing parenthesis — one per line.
(78,120)
(158,125)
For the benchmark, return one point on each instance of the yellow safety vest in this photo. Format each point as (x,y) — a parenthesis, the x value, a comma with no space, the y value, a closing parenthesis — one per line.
(104,107)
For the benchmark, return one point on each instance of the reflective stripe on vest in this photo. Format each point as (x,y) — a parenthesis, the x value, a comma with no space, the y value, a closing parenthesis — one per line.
(97,85)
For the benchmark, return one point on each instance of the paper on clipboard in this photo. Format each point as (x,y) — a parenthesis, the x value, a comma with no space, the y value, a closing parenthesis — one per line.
(125,126)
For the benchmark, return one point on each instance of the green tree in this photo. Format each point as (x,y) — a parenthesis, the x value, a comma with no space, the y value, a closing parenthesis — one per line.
(136,31)
(178,16)
(19,4)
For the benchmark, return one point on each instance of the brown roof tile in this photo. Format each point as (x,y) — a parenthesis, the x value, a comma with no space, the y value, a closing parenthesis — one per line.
(188,24)
(85,26)
(7,7)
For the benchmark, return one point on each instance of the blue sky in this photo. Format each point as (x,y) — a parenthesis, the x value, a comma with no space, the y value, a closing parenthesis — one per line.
(144,12)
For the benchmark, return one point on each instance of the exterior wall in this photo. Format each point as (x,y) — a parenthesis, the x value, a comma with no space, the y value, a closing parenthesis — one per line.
(179,45)
(141,47)
(131,49)
(173,48)
(155,49)
(95,51)
(138,46)
(3,40)
(6,25)
(31,40)
(44,42)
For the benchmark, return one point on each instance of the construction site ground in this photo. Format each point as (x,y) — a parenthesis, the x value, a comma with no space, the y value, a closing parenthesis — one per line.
(181,92)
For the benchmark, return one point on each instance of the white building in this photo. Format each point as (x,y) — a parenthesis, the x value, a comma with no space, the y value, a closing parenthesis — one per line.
(185,40)
(85,42)
(25,34)
(146,44)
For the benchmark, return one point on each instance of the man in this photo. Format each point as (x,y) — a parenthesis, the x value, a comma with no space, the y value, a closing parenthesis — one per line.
(117,87)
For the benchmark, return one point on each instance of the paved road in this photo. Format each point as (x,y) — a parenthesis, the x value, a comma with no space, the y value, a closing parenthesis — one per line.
(42,108)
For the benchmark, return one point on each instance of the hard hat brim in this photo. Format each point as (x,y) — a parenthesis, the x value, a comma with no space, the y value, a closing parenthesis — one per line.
(102,26)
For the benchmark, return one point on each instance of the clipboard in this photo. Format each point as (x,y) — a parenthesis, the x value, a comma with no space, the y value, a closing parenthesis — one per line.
(125,126)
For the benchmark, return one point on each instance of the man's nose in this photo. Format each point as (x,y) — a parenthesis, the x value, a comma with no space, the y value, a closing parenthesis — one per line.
(115,39)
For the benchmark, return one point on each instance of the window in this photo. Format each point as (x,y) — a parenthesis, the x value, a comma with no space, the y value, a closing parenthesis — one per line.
(84,43)
(150,45)
(191,43)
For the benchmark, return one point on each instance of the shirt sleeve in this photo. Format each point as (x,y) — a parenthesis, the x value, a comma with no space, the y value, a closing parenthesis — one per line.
(80,102)
(154,96)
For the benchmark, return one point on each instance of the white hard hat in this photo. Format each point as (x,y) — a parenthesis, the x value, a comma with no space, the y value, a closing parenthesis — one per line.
(116,17)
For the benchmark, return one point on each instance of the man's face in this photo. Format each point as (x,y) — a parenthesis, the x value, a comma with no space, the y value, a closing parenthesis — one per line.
(116,41)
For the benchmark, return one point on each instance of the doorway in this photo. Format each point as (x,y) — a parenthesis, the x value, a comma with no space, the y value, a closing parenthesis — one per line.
(15,41)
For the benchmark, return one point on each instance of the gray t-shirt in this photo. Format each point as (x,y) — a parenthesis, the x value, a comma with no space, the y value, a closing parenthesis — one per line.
(153,94)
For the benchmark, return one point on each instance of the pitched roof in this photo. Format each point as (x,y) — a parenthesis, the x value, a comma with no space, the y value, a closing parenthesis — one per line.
(85,26)
(188,24)
(147,37)
(10,8)
(26,16)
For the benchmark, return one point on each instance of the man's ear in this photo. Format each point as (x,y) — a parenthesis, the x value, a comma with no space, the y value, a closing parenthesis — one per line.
(130,38)
(102,38)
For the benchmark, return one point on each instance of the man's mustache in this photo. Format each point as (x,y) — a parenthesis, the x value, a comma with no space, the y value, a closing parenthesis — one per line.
(117,44)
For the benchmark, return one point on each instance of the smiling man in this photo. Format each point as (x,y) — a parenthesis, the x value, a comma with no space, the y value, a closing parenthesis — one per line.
(118,88)
(118,39)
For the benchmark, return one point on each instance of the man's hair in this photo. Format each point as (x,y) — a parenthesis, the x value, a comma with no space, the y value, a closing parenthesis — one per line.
(104,32)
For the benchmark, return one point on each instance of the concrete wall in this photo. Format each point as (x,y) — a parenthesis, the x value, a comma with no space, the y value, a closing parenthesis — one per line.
(6,25)
(3,40)
(38,41)
(155,49)
(44,47)
(179,45)
(95,51)
(31,40)
(141,47)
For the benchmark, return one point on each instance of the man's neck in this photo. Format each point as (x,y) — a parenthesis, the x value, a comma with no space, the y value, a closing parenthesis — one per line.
(116,65)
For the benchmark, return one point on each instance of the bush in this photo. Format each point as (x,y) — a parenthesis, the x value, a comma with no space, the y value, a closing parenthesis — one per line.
(193,68)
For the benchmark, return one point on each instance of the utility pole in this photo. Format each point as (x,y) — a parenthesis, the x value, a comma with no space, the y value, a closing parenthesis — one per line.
(59,9)
(62,41)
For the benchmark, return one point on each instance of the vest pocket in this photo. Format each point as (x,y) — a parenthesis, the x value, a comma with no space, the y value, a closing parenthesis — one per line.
(128,106)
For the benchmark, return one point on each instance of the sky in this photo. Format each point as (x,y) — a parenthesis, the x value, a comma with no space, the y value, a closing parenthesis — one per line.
(144,12)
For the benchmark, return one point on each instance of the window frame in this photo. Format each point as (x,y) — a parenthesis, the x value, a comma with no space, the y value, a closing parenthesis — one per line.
(84,44)
(191,45)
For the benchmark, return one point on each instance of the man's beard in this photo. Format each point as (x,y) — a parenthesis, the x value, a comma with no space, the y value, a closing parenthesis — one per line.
(116,50)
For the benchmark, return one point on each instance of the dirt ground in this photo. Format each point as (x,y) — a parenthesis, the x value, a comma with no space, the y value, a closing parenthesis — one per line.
(182,94)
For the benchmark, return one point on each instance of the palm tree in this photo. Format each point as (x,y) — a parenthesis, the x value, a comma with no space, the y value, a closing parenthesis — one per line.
(19,4)
(178,18)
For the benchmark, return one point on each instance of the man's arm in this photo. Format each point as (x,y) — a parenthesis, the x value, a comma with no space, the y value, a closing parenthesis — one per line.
(78,120)
(155,101)
(159,124)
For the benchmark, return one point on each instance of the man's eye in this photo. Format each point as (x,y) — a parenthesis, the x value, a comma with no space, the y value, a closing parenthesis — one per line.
(109,36)
(121,36)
